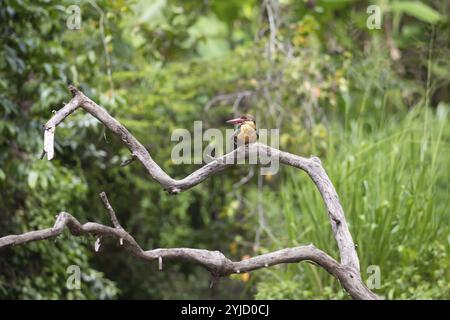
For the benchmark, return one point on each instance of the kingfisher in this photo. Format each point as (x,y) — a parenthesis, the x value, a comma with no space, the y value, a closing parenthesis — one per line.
(246,131)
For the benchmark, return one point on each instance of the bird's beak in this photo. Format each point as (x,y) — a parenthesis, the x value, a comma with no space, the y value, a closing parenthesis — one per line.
(235,121)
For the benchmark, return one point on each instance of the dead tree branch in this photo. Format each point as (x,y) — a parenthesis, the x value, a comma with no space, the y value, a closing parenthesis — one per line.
(214,261)
(109,208)
(347,271)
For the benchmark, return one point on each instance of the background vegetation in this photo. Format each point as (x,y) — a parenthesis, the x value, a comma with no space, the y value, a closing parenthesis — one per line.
(373,104)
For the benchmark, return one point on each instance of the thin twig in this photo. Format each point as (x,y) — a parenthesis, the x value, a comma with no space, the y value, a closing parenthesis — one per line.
(109,208)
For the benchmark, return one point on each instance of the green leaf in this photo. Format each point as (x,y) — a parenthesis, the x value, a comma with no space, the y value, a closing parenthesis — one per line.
(418,10)
(91,56)
(32,179)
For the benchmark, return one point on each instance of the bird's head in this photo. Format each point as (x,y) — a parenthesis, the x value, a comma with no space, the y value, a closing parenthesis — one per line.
(242,119)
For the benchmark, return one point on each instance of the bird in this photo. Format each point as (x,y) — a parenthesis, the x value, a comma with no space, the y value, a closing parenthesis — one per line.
(246,131)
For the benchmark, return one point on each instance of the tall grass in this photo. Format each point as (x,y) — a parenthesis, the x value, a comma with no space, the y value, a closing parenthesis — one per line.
(393,185)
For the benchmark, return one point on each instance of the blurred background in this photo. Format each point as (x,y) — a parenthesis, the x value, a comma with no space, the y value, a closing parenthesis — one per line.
(372,103)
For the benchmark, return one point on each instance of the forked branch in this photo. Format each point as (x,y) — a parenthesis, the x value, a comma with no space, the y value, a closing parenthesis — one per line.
(214,261)
(347,271)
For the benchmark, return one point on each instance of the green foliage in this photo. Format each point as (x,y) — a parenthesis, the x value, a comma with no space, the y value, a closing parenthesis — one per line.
(34,72)
(387,184)
(417,9)
(334,88)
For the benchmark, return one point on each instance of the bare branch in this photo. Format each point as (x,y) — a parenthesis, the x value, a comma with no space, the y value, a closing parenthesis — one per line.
(312,166)
(109,208)
(214,261)
(347,271)
(227,97)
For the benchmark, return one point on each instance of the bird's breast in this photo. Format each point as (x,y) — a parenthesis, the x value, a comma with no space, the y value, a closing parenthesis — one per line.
(247,134)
